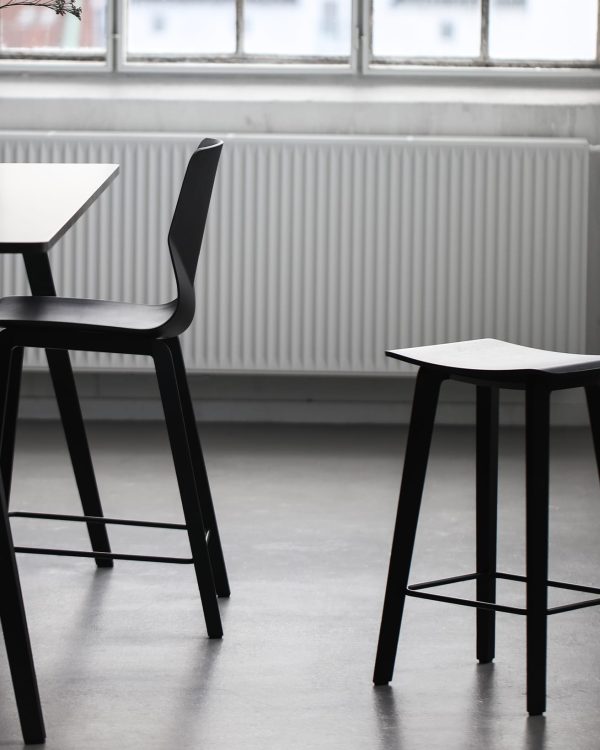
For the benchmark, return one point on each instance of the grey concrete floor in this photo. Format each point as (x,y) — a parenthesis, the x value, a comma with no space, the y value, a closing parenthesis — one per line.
(306,517)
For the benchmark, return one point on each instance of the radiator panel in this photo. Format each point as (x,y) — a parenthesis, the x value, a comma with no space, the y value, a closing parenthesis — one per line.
(321,252)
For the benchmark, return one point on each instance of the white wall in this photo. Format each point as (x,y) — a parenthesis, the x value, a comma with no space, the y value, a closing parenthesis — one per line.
(567,105)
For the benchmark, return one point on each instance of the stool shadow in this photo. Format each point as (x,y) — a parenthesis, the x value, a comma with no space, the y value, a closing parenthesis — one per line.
(387,715)
(486,730)
(535,733)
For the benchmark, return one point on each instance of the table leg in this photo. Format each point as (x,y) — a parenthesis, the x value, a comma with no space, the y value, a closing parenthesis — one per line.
(10,385)
(16,637)
(61,372)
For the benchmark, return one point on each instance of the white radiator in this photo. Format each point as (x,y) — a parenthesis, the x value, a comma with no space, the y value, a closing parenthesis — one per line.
(321,252)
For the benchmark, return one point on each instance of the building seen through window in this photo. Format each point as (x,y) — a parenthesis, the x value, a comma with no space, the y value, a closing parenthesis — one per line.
(29,30)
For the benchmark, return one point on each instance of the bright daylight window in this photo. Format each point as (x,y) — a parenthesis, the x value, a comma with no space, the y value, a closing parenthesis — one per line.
(372,34)
(485,32)
(252,30)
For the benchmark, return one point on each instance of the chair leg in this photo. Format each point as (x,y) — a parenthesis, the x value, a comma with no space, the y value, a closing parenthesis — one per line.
(9,390)
(61,372)
(592,393)
(169,393)
(16,638)
(202,484)
(411,490)
(537,478)
(487,517)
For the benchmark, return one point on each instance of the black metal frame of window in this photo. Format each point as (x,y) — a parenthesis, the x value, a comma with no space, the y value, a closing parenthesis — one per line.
(483,60)
(360,58)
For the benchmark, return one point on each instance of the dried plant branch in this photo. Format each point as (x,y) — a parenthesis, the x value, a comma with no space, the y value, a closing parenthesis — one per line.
(60,7)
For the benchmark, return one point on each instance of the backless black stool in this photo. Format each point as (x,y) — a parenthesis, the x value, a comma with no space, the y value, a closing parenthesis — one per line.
(488,364)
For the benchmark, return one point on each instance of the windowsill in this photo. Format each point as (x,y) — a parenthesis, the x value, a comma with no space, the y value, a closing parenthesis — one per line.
(566,107)
(443,85)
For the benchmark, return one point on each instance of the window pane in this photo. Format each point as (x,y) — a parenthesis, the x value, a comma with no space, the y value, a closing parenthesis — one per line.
(39,30)
(543,29)
(181,27)
(426,28)
(298,27)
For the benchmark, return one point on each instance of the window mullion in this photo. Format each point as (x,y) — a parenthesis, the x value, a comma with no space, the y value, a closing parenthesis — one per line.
(484,47)
(598,35)
(115,44)
(360,53)
(239,27)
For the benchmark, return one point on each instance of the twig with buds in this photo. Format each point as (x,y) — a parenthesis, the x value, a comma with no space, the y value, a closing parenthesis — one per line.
(60,7)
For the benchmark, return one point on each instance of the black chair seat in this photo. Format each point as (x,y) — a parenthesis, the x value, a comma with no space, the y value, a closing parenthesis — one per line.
(66,312)
(493,358)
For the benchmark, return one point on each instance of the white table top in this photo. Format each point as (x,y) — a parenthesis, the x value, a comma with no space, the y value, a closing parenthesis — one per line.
(39,202)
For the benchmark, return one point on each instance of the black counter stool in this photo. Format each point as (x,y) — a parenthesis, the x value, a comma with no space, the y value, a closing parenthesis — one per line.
(102,326)
(488,364)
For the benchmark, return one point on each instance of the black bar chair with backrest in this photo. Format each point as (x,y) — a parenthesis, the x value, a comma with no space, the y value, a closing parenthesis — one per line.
(488,364)
(102,326)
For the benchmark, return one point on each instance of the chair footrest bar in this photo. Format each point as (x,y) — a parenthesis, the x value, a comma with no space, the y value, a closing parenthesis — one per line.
(416,590)
(96,519)
(103,555)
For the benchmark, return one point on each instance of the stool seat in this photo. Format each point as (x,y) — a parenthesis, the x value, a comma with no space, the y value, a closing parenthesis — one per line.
(492,356)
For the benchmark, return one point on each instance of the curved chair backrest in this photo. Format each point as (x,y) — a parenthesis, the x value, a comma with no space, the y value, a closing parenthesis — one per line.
(187,229)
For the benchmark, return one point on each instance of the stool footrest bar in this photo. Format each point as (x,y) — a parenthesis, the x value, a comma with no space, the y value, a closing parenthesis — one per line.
(553,584)
(576,605)
(442,582)
(467,602)
(416,590)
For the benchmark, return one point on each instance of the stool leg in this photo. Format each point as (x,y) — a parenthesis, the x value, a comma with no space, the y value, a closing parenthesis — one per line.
(487,515)
(411,490)
(16,638)
(537,479)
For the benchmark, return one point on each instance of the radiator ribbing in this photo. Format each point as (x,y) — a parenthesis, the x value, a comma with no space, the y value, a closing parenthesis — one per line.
(321,252)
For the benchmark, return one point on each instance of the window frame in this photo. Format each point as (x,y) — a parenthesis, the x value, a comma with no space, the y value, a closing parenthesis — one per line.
(238,63)
(371,63)
(361,61)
